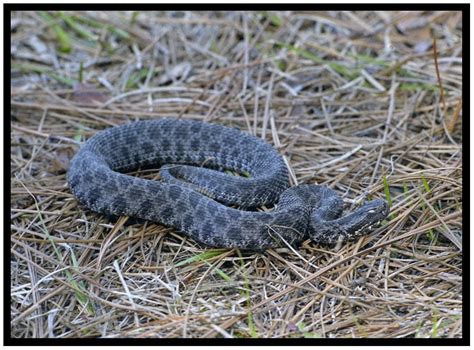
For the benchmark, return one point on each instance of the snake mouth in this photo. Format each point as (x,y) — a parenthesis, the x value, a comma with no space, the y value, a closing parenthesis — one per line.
(376,207)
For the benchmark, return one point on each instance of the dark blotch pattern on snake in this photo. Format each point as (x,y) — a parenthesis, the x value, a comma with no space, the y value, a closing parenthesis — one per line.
(196,197)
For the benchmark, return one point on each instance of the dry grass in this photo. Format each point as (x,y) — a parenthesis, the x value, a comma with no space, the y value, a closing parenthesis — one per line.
(352,100)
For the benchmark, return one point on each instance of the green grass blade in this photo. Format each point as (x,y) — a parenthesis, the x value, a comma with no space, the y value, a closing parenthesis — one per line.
(64,41)
(96,24)
(386,188)
(246,292)
(426,185)
(79,29)
(204,256)
(405,190)
(369,60)
(301,327)
(417,87)
(339,68)
(221,273)
(27,67)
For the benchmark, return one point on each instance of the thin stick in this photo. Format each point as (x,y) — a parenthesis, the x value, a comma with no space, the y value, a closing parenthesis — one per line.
(454,119)
(437,72)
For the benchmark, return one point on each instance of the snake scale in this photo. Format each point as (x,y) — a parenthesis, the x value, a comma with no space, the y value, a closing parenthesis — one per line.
(195,194)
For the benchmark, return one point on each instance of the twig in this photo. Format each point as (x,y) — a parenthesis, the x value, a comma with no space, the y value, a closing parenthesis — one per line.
(438,75)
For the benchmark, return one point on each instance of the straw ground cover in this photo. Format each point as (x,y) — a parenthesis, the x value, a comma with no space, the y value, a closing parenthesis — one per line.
(368,103)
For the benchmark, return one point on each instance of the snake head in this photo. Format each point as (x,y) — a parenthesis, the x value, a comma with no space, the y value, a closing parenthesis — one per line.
(362,219)
(350,226)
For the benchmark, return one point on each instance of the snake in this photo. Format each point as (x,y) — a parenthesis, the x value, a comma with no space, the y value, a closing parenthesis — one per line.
(218,185)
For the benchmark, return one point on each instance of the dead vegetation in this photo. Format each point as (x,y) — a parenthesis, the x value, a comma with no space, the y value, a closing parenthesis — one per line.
(353,100)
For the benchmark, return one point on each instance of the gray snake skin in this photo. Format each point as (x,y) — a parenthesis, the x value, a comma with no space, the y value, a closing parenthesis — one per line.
(197,198)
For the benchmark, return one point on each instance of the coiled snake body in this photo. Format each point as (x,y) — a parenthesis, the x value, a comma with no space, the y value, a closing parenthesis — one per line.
(196,197)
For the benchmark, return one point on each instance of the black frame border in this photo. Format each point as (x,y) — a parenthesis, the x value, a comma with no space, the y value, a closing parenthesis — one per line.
(465,340)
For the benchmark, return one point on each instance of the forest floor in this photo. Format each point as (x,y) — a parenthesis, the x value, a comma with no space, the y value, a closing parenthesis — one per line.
(368,103)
